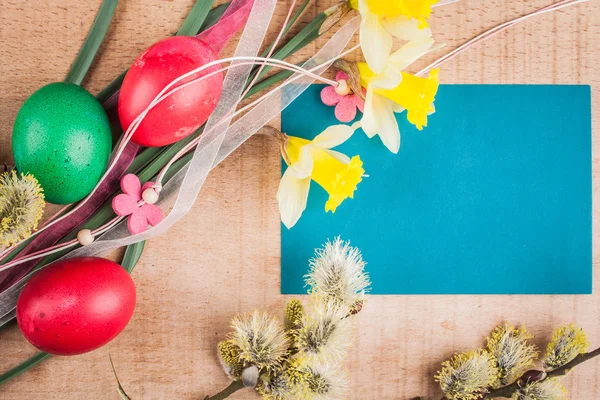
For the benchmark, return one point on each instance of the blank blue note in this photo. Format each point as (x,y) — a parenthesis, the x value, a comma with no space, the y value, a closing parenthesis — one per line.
(493,197)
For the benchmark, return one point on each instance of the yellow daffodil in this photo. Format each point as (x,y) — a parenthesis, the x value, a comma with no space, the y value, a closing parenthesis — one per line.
(382,20)
(394,91)
(314,160)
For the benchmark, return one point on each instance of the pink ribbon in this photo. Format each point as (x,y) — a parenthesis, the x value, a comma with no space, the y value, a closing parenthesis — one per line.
(217,37)
(59,230)
(231,22)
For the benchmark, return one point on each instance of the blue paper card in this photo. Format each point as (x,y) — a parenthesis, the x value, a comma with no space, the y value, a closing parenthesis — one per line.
(493,197)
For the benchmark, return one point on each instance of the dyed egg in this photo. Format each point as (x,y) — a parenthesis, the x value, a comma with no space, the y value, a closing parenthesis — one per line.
(183,112)
(75,306)
(62,136)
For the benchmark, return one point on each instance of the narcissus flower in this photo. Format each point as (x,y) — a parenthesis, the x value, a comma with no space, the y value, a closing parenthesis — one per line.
(314,160)
(382,20)
(394,91)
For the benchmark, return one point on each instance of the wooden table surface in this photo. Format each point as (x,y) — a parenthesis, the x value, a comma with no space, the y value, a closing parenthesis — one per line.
(224,257)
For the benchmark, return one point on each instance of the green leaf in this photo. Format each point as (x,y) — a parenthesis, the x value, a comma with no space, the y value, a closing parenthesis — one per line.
(214,16)
(286,29)
(120,389)
(132,255)
(304,37)
(289,25)
(271,80)
(159,162)
(12,254)
(177,165)
(144,158)
(92,43)
(195,18)
(24,366)
(111,88)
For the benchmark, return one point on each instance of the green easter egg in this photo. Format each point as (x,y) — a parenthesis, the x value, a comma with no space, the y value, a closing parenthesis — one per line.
(62,136)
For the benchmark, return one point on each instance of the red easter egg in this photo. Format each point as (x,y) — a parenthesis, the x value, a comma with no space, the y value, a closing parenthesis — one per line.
(76,305)
(183,112)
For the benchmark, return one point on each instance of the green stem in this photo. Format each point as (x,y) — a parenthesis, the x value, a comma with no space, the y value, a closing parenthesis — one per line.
(92,43)
(24,366)
(228,391)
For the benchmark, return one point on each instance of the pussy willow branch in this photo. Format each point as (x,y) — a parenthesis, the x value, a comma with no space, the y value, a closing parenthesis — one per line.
(229,390)
(508,391)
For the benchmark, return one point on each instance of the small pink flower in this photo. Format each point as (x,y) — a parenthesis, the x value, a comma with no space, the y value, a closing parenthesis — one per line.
(345,105)
(140,216)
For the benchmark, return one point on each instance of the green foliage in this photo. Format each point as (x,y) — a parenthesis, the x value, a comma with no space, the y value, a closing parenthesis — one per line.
(150,161)
(195,18)
(92,43)
(23,367)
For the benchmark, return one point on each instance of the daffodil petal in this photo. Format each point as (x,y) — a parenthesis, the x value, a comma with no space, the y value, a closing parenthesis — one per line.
(369,122)
(405,28)
(339,156)
(375,41)
(388,80)
(389,132)
(397,108)
(409,53)
(303,167)
(333,136)
(432,110)
(292,197)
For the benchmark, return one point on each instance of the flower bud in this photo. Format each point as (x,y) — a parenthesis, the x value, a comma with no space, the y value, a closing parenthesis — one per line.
(250,376)
(530,376)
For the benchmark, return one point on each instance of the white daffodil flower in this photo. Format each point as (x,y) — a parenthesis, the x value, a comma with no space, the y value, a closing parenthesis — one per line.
(314,160)
(383,20)
(382,99)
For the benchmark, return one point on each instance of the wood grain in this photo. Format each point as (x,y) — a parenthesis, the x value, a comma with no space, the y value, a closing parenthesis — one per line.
(224,258)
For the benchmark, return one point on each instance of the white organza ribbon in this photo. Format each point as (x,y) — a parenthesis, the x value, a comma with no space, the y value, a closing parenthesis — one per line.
(189,180)
(219,141)
(222,140)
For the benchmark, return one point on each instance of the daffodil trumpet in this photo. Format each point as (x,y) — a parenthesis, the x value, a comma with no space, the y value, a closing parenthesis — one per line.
(315,160)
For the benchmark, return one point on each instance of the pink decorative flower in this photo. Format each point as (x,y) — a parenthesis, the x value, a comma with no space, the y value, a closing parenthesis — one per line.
(345,105)
(140,216)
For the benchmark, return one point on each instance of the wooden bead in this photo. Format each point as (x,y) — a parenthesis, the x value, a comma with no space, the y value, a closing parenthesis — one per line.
(85,237)
(150,196)
(342,88)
